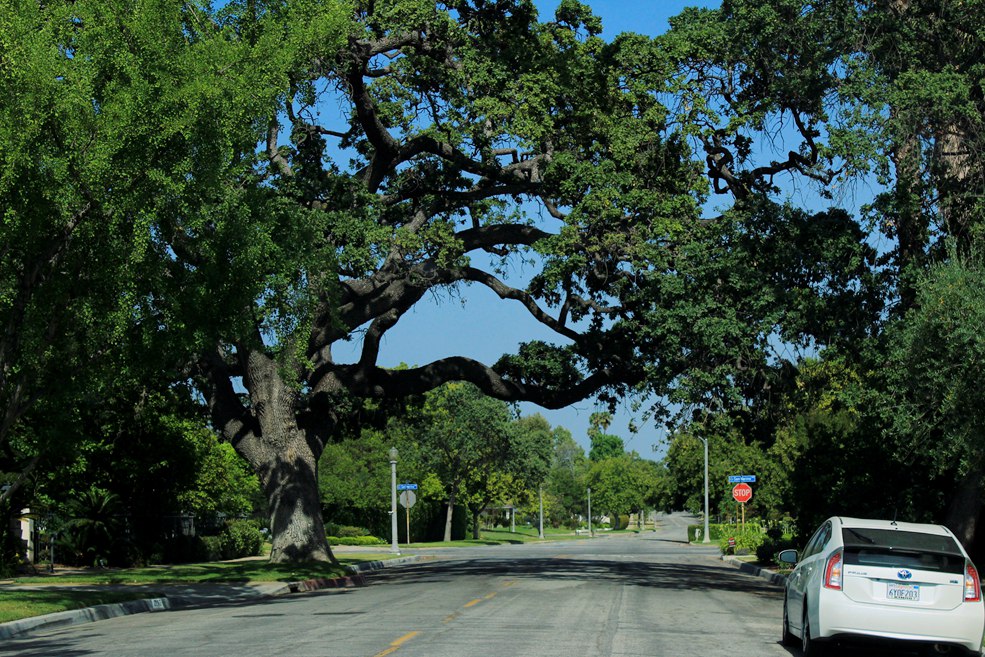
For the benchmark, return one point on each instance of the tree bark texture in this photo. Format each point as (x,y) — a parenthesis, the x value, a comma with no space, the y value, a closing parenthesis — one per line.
(268,434)
(290,482)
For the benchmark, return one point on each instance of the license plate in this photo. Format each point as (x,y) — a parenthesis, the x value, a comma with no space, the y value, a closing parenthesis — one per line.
(909,592)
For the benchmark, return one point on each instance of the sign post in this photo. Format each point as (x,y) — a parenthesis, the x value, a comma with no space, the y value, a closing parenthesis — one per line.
(408,498)
(742,492)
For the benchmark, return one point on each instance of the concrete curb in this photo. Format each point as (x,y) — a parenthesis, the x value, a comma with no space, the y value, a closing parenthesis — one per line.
(79,616)
(776,579)
(103,612)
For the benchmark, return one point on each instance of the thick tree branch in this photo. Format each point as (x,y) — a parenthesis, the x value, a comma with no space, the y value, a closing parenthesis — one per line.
(391,287)
(506,292)
(229,415)
(387,383)
(273,152)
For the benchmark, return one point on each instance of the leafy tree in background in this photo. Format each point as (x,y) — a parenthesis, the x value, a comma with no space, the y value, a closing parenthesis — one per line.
(604,445)
(730,452)
(621,485)
(530,459)
(354,481)
(466,440)
(566,484)
(935,382)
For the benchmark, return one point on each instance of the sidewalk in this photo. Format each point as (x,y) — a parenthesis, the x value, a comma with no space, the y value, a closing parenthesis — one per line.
(162,597)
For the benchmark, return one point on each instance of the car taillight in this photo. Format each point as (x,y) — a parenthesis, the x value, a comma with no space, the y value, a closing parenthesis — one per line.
(832,572)
(972,585)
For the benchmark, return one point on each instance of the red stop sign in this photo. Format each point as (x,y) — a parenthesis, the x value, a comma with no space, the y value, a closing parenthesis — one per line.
(742,492)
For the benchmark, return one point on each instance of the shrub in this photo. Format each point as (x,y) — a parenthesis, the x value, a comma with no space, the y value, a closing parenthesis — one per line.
(213,547)
(241,538)
(715,532)
(775,542)
(352,532)
(746,541)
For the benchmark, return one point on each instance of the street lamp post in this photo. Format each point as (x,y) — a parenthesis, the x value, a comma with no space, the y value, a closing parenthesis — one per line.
(590,512)
(706,537)
(394,548)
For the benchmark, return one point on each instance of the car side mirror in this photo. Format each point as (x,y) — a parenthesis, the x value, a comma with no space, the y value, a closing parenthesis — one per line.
(788,556)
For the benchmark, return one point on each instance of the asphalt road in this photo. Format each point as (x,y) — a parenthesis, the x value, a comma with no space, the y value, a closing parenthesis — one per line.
(650,594)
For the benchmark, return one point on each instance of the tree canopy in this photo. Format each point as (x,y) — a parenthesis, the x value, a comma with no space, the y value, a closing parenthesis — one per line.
(231,192)
(468,136)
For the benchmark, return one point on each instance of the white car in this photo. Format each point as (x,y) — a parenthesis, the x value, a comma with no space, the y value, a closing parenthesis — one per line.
(883,580)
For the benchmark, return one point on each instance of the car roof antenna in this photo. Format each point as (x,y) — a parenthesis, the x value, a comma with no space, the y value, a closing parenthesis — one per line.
(895,511)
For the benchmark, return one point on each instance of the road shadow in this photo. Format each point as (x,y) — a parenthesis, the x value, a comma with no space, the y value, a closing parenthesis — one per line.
(869,649)
(62,641)
(669,576)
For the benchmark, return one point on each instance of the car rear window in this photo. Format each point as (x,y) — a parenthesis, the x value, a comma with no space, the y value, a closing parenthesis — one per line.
(900,549)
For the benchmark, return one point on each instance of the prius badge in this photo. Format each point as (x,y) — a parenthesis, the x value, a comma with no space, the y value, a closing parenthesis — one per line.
(904,574)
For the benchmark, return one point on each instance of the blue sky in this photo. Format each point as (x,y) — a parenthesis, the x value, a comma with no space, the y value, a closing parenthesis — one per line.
(649,17)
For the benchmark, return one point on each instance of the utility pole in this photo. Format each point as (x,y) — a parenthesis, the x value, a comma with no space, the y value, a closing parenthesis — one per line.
(394,548)
(706,539)
(590,512)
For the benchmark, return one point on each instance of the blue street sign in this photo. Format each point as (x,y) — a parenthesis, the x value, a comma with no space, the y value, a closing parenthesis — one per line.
(742,479)
(406,486)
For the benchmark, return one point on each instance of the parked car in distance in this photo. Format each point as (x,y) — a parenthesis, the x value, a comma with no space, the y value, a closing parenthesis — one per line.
(886,581)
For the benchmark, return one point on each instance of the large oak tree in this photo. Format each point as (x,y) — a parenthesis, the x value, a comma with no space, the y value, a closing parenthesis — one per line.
(309,171)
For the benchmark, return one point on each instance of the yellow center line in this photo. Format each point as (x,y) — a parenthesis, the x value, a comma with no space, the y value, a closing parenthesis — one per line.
(471,603)
(396,644)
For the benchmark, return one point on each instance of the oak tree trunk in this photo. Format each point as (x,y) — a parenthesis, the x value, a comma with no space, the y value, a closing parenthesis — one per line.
(290,482)
(283,455)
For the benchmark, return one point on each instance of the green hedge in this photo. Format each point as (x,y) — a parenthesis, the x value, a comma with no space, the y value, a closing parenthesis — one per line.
(356,540)
(345,531)
(713,529)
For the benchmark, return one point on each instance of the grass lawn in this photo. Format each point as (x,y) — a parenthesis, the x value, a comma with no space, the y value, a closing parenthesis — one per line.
(15,605)
(215,572)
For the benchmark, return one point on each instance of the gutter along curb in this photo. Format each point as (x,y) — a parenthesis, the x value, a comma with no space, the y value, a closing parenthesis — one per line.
(774,578)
